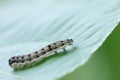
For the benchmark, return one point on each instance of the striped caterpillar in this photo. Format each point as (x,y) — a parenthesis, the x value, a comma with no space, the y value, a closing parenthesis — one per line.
(19,62)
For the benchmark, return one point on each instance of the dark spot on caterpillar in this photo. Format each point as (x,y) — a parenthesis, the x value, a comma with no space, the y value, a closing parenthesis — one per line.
(29,55)
(17,60)
(61,41)
(29,59)
(22,61)
(50,49)
(36,52)
(13,57)
(42,53)
(22,57)
(42,49)
(54,43)
(49,46)
(10,62)
(36,56)
(17,57)
(13,61)
(62,44)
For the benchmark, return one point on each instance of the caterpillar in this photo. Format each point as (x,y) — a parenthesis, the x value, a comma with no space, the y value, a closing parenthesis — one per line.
(19,62)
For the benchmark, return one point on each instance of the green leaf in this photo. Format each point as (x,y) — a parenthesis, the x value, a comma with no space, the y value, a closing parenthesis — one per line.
(103,64)
(29,26)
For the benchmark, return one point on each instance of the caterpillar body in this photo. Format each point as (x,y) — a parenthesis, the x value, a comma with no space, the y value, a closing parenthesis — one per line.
(19,62)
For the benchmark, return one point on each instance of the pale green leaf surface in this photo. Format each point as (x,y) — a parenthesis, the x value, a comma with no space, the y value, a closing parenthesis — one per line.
(27,26)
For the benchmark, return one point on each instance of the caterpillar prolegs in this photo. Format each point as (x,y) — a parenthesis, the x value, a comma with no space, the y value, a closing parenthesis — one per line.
(19,62)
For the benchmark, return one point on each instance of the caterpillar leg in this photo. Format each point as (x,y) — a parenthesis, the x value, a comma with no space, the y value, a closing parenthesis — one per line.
(64,49)
(56,52)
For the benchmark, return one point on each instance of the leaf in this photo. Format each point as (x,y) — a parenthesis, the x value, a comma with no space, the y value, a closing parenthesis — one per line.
(103,64)
(29,26)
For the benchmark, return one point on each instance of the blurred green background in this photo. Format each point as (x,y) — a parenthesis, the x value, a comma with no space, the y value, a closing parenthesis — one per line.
(104,64)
